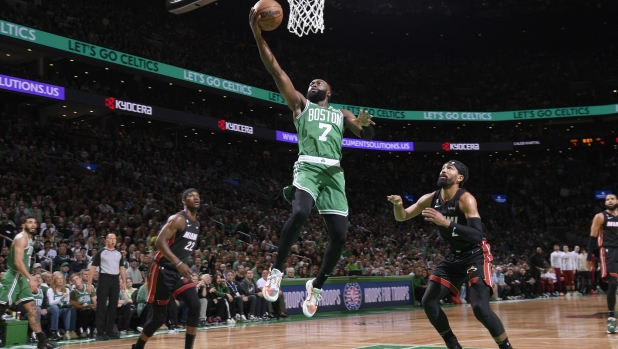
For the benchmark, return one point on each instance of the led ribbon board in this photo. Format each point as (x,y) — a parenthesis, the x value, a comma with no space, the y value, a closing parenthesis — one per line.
(31,87)
(58,42)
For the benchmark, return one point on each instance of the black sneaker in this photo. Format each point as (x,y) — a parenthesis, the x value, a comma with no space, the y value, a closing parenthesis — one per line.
(453,343)
(284,316)
(102,337)
(114,336)
(55,336)
(47,346)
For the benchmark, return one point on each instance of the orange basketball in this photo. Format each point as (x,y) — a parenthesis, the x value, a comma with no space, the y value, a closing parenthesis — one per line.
(271,14)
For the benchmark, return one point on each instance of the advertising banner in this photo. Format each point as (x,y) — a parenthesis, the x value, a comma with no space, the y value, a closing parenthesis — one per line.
(499,198)
(601,194)
(355,143)
(353,295)
(58,42)
(31,87)
(463,147)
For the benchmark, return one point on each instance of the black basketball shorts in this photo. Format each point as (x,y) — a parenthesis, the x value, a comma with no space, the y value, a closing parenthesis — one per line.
(469,266)
(164,282)
(609,262)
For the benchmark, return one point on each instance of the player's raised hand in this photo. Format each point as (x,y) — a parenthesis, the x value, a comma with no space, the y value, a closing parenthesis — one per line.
(364,119)
(395,200)
(254,16)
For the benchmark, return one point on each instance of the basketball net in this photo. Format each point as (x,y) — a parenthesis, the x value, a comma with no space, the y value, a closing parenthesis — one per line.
(306,16)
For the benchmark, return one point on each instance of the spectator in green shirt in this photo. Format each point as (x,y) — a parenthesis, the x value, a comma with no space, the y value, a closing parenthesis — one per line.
(143,308)
(348,251)
(223,299)
(419,285)
(352,263)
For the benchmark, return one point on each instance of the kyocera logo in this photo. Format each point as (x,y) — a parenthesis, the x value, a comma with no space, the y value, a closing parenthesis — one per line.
(113,104)
(110,103)
(223,125)
(448,146)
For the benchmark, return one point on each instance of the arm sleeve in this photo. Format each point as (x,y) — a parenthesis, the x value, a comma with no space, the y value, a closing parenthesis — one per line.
(367,132)
(592,245)
(472,232)
(50,297)
(96,260)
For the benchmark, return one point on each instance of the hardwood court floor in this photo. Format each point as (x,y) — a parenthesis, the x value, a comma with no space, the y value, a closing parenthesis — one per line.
(543,323)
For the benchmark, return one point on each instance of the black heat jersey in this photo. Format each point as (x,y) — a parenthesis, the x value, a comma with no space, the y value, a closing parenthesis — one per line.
(450,210)
(608,236)
(182,243)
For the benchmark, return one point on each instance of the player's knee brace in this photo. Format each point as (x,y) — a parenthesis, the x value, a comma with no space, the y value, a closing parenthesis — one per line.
(431,302)
(159,316)
(193,303)
(481,311)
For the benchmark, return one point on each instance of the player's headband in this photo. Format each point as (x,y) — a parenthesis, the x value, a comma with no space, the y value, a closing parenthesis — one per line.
(187,192)
(461,168)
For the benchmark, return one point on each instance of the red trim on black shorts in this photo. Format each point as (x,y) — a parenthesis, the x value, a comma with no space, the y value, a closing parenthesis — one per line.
(603,265)
(153,275)
(163,302)
(183,288)
(487,259)
(445,283)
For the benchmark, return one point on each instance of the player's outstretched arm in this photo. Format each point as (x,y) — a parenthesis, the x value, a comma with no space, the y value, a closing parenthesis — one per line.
(595,228)
(174,224)
(361,126)
(295,100)
(414,210)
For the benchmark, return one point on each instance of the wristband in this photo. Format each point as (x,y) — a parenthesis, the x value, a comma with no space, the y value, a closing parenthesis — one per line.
(179,263)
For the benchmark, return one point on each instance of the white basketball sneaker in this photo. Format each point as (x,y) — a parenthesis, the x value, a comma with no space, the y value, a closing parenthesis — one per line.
(314,296)
(271,289)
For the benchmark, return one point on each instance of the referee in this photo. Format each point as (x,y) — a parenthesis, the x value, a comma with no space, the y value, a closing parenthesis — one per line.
(111,264)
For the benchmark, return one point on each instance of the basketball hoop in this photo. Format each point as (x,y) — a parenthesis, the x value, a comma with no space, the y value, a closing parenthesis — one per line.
(306,16)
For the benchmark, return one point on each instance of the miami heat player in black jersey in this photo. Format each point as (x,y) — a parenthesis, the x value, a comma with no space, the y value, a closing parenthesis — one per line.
(604,230)
(181,244)
(468,259)
(169,275)
(450,210)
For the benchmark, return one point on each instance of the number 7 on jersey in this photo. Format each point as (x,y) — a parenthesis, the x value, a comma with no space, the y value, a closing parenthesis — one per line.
(328,128)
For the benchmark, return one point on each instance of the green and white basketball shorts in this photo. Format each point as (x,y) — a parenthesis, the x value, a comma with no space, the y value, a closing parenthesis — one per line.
(325,183)
(15,288)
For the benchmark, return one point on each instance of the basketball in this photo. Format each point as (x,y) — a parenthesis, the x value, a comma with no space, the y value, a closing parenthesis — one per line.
(271,14)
